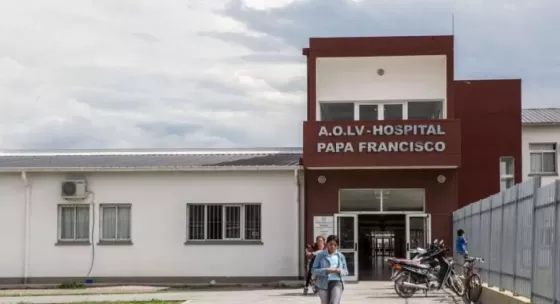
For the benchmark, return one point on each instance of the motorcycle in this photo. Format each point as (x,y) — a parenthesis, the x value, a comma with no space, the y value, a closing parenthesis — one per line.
(418,256)
(421,276)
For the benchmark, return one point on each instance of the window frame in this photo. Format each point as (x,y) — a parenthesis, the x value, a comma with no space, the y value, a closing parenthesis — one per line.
(381,107)
(443,107)
(242,225)
(61,240)
(505,177)
(554,153)
(320,113)
(241,221)
(116,239)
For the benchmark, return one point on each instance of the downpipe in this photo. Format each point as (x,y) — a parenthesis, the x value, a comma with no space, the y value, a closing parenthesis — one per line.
(27,229)
(300,231)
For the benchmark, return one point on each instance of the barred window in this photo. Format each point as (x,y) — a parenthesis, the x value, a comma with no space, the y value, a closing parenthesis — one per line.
(223,222)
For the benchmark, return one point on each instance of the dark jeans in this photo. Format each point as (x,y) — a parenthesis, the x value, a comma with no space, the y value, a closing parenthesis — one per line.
(308,278)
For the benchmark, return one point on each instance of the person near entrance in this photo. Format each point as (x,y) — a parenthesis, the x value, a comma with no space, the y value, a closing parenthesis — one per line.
(311,253)
(329,267)
(461,244)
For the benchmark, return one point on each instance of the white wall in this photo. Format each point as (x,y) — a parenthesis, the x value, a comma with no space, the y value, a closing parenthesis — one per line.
(11,224)
(158,225)
(405,78)
(538,134)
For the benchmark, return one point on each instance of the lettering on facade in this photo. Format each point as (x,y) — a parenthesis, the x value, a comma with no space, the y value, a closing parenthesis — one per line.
(382,146)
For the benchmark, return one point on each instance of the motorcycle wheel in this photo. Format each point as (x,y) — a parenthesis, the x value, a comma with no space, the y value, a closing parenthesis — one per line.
(404,292)
(474,287)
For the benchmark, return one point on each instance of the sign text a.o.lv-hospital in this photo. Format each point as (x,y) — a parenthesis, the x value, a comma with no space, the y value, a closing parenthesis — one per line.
(371,138)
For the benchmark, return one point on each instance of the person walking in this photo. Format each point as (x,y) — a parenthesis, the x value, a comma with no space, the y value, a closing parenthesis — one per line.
(311,253)
(329,267)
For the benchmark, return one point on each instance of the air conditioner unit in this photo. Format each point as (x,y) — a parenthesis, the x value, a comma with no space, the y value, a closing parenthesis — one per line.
(73,189)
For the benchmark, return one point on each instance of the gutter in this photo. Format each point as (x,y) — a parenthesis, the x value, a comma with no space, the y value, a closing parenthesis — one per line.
(540,124)
(152,169)
(27,221)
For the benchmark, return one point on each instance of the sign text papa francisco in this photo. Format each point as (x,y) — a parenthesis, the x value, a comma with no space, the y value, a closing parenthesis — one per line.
(381,146)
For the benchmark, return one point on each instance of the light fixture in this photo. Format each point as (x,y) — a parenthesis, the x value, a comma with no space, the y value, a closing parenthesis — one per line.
(321,179)
(441,179)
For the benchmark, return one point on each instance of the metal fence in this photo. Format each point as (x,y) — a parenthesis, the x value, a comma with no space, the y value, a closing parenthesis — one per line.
(518,234)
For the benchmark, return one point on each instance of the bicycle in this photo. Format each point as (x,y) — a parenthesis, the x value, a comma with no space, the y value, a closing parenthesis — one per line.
(473,282)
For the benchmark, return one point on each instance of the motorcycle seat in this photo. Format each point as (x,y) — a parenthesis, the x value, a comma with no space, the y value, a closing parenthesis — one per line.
(415,264)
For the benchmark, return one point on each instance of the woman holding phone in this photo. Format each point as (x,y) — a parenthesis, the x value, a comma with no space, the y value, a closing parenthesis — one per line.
(329,267)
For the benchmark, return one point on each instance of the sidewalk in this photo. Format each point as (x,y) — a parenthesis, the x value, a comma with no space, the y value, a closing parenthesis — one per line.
(363,292)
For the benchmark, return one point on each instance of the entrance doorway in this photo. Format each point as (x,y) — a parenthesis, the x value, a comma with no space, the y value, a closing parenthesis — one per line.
(380,236)
(374,224)
(367,239)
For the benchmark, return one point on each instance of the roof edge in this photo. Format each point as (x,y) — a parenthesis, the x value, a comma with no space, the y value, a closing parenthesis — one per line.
(541,124)
(151,169)
(93,152)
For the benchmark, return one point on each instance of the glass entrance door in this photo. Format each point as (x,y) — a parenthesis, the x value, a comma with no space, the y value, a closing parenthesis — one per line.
(418,232)
(346,228)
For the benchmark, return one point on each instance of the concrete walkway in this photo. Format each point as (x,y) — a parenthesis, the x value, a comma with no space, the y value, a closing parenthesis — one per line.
(364,292)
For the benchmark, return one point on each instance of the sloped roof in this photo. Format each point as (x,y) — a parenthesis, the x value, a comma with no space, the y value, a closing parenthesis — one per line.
(544,116)
(150,160)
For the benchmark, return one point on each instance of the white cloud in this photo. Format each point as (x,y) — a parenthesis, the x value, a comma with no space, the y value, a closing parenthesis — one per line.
(132,74)
(198,73)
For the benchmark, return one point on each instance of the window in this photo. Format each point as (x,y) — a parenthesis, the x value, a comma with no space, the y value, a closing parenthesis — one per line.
(368,112)
(337,111)
(115,222)
(390,200)
(393,112)
(543,158)
(224,222)
(73,223)
(374,111)
(507,172)
(424,110)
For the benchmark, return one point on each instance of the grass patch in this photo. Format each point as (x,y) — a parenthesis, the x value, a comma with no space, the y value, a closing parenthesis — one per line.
(72,285)
(75,293)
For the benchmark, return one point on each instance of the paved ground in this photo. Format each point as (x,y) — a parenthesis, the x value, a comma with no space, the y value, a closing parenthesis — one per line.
(364,292)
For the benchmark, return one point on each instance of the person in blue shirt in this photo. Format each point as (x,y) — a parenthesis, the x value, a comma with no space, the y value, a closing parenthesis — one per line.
(329,267)
(461,245)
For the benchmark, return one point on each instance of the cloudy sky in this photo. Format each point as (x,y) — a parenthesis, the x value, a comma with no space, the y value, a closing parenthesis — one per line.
(218,73)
